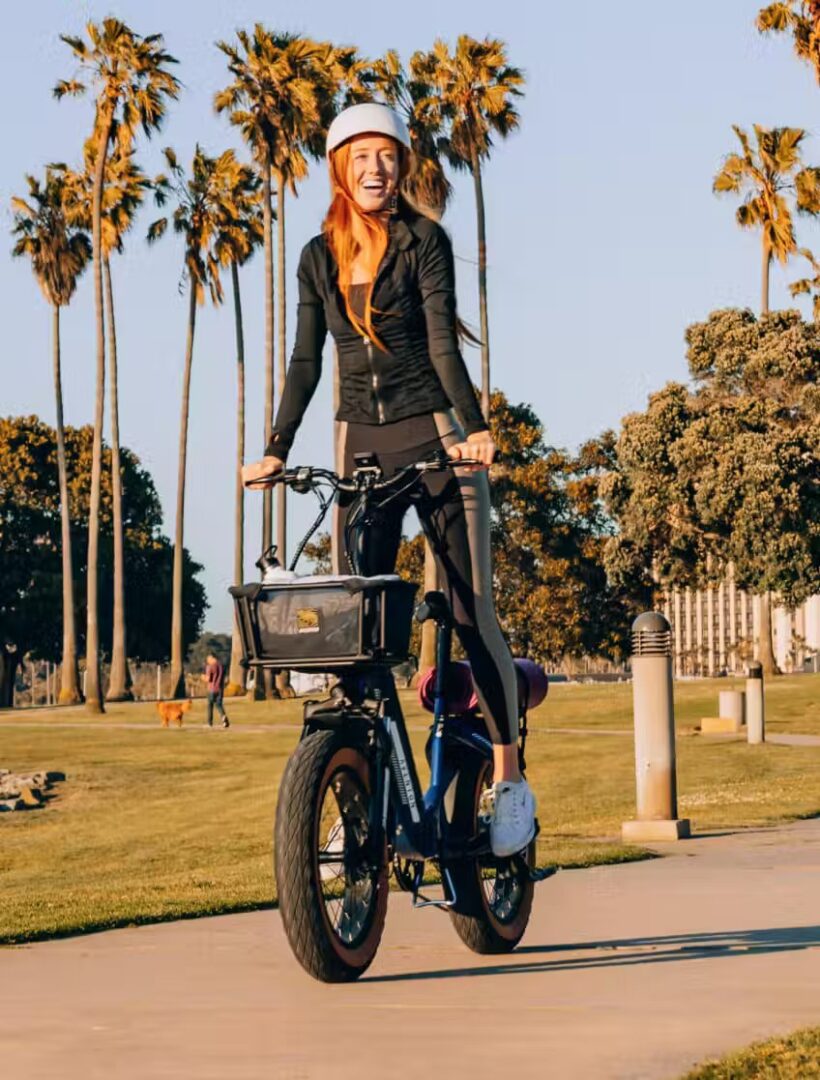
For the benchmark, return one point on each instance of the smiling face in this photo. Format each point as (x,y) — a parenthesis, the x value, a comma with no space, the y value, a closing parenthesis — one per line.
(374,171)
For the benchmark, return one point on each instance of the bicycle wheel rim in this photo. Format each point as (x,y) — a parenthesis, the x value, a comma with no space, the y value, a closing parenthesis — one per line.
(351,892)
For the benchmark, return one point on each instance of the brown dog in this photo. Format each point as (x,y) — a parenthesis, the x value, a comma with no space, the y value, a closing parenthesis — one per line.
(173,710)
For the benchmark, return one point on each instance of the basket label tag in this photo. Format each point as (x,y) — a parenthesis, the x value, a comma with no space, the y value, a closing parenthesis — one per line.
(307,621)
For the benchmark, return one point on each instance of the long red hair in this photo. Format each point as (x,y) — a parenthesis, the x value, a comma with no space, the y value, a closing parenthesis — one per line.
(367,244)
(346,248)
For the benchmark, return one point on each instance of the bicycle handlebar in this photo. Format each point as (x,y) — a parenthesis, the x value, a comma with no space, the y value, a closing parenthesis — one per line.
(305,477)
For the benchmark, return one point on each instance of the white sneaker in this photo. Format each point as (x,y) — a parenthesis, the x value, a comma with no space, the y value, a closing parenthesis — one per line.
(512,824)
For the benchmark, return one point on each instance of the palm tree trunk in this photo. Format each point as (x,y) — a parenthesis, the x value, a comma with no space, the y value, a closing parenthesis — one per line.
(70,683)
(267,496)
(282,677)
(281,504)
(236,678)
(482,287)
(177,674)
(267,216)
(119,681)
(764,605)
(93,693)
(765,650)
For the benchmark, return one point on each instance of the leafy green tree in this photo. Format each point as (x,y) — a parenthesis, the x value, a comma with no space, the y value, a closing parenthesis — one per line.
(770,177)
(725,471)
(31,543)
(549,531)
(59,252)
(207,642)
(205,205)
(473,89)
(131,82)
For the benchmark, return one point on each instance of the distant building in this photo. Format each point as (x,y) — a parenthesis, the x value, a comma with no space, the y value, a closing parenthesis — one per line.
(717,630)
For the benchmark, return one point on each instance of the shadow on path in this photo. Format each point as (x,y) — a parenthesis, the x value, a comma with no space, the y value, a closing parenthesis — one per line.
(630,952)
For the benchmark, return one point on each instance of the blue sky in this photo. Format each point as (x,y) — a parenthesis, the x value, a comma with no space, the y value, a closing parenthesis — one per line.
(604,238)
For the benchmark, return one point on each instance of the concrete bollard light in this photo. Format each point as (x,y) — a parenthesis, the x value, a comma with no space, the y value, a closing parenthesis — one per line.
(755,712)
(732,707)
(655,770)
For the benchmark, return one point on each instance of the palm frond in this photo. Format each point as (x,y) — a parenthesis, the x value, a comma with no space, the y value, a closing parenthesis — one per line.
(68,88)
(156,230)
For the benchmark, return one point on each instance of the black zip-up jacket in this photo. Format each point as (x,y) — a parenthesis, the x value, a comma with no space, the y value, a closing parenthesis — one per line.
(422,370)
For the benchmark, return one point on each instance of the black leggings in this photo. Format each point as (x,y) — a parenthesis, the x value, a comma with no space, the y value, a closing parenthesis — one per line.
(455,517)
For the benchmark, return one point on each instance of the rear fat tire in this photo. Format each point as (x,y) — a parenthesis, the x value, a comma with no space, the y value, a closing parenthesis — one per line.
(307,925)
(473,918)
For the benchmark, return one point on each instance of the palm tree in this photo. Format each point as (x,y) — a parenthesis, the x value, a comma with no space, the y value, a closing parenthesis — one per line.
(766,177)
(124,189)
(305,85)
(131,82)
(59,253)
(410,95)
(475,89)
(240,232)
(201,217)
(800,18)
(251,102)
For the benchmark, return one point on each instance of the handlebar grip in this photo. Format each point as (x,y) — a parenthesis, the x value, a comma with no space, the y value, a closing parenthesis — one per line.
(472,461)
(270,478)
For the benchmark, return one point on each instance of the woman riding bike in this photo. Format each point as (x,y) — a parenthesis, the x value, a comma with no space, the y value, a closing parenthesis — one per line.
(380,278)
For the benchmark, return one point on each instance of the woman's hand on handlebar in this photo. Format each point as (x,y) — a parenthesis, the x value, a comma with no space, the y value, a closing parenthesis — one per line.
(260,474)
(479,446)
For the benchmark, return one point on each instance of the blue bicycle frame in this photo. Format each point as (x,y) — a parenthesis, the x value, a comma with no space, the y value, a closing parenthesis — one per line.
(418,832)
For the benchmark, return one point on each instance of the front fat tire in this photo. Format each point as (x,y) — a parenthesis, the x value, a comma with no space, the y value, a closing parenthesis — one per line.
(472,916)
(298,882)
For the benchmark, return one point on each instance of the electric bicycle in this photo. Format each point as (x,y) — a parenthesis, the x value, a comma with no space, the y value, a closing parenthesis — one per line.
(351,809)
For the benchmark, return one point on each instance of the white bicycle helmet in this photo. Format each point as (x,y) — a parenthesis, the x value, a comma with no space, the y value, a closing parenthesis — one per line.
(367,119)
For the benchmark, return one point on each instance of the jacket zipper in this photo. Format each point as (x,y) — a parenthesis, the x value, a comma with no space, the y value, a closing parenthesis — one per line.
(374,379)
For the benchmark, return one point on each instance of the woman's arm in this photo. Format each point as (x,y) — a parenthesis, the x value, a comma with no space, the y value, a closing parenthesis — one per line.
(438,294)
(305,362)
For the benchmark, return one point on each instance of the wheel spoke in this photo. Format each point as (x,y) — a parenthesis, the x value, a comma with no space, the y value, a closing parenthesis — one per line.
(347,884)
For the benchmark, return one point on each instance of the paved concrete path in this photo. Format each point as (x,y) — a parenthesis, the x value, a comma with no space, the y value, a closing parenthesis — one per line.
(627,971)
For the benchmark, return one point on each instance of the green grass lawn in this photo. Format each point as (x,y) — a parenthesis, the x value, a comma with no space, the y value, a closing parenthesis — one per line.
(156,824)
(792,703)
(794,1058)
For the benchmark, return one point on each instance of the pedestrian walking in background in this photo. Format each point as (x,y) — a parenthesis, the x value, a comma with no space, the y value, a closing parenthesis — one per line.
(214,676)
